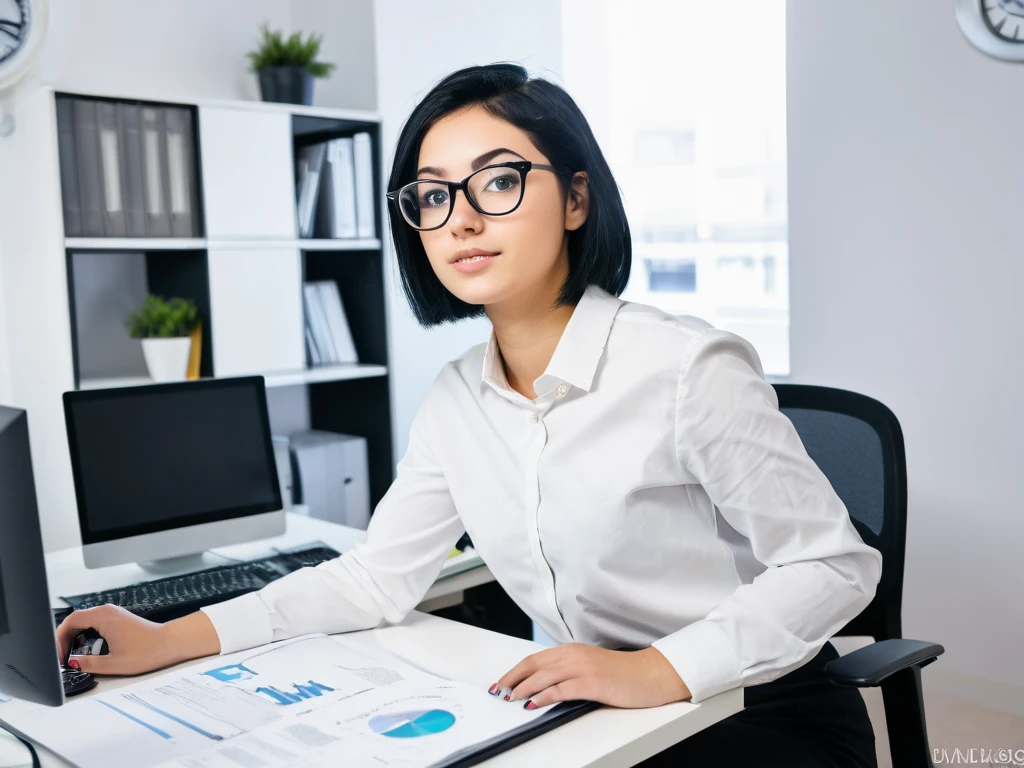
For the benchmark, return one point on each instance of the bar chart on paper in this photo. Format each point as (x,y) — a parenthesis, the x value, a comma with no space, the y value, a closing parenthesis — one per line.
(315,700)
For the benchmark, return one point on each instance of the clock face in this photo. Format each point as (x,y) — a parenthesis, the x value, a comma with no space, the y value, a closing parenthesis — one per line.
(1005,18)
(995,27)
(15,25)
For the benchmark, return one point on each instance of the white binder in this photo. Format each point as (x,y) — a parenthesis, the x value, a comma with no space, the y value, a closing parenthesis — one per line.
(338,192)
(363,149)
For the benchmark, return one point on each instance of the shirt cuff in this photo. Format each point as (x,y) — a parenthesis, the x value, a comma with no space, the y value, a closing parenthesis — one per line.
(241,622)
(703,657)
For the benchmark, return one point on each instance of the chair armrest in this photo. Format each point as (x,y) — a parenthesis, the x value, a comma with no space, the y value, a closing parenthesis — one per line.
(869,666)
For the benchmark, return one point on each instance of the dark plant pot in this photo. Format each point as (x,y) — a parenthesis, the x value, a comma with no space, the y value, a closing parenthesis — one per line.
(288,85)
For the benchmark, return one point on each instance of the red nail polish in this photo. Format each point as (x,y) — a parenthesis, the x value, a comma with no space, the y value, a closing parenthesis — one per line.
(508,697)
(493,689)
(529,705)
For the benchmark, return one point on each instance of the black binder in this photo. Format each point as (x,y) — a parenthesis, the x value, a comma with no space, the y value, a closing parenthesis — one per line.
(69,188)
(87,147)
(130,124)
(558,715)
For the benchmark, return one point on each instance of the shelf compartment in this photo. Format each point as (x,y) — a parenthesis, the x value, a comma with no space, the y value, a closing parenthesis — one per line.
(104,287)
(360,281)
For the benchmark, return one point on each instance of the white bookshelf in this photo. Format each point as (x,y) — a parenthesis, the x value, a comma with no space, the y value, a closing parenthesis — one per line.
(279,379)
(134,243)
(67,296)
(193,243)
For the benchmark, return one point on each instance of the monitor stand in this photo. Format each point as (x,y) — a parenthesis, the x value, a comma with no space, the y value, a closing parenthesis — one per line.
(173,566)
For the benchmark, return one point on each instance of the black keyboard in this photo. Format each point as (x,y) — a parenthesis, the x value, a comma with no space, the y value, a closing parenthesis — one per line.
(178,596)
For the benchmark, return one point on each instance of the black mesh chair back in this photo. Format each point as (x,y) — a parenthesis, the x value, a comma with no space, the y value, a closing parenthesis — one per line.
(857,443)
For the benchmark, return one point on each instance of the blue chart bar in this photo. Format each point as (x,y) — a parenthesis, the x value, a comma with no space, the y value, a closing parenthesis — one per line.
(132,697)
(231,674)
(134,719)
(302,692)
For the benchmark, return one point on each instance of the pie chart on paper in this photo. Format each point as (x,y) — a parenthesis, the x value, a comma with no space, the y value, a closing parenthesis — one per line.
(411,725)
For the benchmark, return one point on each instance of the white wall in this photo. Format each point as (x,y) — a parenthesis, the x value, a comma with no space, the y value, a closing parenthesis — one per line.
(907,263)
(417,45)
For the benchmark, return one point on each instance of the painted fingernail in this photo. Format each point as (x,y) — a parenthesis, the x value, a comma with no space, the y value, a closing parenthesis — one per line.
(506,694)
(529,705)
(493,690)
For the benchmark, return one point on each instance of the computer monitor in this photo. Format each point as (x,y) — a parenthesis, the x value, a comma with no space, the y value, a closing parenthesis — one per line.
(165,471)
(29,665)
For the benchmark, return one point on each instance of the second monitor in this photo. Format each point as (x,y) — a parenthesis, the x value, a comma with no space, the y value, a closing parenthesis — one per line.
(165,471)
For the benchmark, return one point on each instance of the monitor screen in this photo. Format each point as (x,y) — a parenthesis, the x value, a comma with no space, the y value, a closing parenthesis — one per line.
(152,458)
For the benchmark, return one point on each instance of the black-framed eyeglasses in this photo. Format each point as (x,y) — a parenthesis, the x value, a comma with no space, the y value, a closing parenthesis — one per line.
(495,190)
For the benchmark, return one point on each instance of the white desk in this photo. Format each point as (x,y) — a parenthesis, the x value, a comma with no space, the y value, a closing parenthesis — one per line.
(606,738)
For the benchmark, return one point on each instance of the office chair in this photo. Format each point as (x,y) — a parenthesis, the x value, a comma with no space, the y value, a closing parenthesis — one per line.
(857,443)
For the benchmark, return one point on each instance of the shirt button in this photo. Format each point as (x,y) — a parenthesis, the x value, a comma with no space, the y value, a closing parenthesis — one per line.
(562,390)
(534,418)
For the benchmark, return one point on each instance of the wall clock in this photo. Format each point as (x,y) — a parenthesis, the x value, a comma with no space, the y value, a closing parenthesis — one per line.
(994,26)
(22,33)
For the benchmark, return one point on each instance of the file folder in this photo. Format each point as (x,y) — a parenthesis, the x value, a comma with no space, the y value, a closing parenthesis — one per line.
(316,320)
(111,170)
(337,322)
(308,167)
(129,124)
(69,191)
(181,172)
(154,164)
(558,715)
(337,208)
(87,149)
(363,152)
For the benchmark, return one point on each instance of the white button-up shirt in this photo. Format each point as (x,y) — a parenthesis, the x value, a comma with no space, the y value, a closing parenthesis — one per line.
(652,494)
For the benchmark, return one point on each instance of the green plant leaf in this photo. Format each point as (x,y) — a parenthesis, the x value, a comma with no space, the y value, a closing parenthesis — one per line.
(162,318)
(276,51)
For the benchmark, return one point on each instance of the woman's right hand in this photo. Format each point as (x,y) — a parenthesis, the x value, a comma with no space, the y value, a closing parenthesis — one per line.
(137,645)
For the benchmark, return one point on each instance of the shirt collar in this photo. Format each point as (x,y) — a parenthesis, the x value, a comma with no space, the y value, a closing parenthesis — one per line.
(578,352)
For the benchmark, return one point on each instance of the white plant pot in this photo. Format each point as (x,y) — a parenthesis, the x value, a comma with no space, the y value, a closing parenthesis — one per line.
(167,359)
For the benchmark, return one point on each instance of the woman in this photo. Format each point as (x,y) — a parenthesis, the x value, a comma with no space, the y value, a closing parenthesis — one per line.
(625,473)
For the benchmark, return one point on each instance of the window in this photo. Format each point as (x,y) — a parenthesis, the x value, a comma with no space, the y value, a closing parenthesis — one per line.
(688,101)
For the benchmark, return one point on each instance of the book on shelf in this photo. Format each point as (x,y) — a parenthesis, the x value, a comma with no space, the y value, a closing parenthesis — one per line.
(363,152)
(308,166)
(328,334)
(336,215)
(344,207)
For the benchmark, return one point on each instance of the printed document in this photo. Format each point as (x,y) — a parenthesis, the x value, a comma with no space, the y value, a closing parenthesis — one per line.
(311,701)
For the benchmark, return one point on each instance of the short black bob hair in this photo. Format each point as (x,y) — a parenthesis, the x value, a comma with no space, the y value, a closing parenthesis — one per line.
(600,251)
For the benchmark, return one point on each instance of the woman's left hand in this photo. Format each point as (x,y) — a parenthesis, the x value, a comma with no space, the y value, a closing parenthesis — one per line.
(628,679)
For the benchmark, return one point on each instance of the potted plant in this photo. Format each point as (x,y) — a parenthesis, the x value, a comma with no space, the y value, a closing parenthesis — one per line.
(286,68)
(165,325)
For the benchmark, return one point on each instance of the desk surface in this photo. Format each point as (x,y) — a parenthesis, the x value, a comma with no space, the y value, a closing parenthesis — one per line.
(606,738)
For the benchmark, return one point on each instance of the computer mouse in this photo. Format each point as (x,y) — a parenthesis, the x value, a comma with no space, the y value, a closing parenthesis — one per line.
(76,681)
(88,642)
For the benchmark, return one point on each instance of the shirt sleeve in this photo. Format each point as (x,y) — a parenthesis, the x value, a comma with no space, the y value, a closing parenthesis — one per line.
(747,455)
(410,534)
